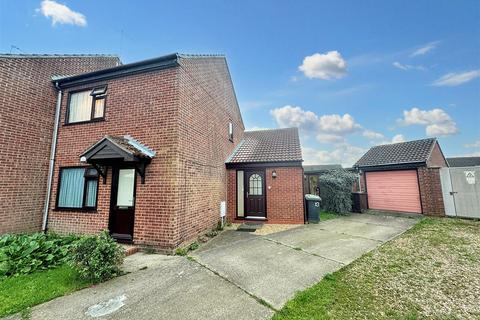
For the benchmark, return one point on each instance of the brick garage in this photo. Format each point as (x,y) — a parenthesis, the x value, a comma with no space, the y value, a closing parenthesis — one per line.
(404,177)
(26,123)
(267,166)
(178,106)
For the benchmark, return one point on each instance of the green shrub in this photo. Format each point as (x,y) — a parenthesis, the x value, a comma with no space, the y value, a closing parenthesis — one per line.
(184,251)
(27,253)
(336,190)
(97,258)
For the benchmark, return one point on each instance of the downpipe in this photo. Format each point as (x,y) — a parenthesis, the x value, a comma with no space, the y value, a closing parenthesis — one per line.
(51,166)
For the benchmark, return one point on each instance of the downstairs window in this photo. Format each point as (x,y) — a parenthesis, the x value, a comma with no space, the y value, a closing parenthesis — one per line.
(77,188)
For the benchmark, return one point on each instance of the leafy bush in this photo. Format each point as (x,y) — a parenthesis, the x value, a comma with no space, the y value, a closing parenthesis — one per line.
(97,258)
(336,190)
(27,253)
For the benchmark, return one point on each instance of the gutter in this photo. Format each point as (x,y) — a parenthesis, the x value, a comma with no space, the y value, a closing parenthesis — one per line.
(53,150)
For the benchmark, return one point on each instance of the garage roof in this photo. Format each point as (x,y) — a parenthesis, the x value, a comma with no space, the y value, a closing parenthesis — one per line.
(463,161)
(263,146)
(417,151)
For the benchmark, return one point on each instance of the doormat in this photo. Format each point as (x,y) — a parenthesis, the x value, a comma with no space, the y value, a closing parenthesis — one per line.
(250,227)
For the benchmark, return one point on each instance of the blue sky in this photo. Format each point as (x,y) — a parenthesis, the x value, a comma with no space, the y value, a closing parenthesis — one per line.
(349,74)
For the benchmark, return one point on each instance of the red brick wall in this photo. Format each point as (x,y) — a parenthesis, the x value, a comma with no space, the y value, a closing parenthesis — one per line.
(285,201)
(182,113)
(431,191)
(207,104)
(285,195)
(436,158)
(27,108)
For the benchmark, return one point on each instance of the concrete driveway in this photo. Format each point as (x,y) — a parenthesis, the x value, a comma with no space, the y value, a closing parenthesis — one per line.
(237,275)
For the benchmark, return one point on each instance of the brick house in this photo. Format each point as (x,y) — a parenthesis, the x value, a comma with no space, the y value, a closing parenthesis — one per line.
(404,177)
(27,111)
(142,150)
(265,178)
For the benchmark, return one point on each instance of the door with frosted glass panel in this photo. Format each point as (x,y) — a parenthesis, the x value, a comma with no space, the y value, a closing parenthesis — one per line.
(122,205)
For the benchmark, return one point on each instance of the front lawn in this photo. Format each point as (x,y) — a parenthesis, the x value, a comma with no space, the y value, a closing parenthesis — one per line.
(23,291)
(432,271)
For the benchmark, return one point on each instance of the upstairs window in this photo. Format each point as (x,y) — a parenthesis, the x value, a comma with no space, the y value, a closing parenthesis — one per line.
(77,188)
(88,105)
(230,131)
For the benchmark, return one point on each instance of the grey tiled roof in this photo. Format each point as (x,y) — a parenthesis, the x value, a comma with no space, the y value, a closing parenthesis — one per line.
(128,144)
(276,145)
(397,153)
(463,161)
(321,167)
(33,55)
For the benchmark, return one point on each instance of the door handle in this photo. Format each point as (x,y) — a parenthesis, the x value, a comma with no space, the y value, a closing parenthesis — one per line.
(453,192)
(247,194)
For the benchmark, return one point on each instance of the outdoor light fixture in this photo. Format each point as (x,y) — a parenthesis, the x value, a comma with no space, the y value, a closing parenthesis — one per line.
(274,174)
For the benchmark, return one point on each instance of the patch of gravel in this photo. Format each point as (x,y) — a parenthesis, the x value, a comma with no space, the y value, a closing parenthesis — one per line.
(432,271)
(266,228)
(274,228)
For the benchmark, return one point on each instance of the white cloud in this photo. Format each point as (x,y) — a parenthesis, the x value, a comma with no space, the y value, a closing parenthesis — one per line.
(455,79)
(324,66)
(61,14)
(326,128)
(256,128)
(437,121)
(407,67)
(373,135)
(343,153)
(475,144)
(290,116)
(425,49)
(398,138)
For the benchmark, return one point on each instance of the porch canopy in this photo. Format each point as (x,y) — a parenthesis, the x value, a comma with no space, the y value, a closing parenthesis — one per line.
(118,150)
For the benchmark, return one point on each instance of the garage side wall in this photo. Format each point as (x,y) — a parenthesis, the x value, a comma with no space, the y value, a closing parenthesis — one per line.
(431,191)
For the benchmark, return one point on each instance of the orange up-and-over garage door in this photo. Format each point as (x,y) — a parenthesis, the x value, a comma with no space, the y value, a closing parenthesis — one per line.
(394,191)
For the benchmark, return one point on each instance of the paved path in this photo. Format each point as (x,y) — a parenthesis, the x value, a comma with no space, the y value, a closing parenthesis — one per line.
(237,275)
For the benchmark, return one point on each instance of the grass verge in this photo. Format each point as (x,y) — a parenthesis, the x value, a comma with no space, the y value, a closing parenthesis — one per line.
(430,272)
(17,294)
(326,215)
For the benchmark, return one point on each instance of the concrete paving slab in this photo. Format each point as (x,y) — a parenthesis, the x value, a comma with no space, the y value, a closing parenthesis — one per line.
(226,239)
(360,229)
(175,289)
(384,220)
(336,246)
(270,271)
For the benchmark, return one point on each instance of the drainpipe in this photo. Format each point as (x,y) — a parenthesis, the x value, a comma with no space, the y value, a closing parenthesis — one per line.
(52,158)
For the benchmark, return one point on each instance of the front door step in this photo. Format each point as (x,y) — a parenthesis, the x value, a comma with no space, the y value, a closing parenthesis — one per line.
(129,249)
(250,227)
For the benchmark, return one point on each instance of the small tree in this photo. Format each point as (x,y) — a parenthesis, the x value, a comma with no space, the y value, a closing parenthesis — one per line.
(336,190)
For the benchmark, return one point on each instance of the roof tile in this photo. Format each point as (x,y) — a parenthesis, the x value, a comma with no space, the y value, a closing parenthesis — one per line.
(276,145)
(397,153)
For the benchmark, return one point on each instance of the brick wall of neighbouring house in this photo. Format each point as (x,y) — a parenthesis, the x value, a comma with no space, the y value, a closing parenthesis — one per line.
(431,191)
(144,106)
(285,201)
(27,108)
(207,105)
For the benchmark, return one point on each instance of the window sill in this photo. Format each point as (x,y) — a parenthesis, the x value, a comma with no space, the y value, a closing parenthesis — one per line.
(84,122)
(93,210)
